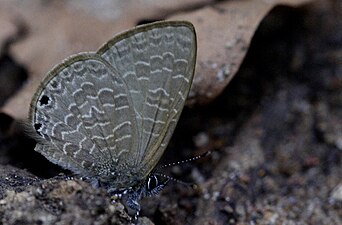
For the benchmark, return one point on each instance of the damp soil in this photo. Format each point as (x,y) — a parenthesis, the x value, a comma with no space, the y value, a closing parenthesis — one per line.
(275,137)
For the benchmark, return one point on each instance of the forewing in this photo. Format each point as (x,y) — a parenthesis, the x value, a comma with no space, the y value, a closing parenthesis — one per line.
(84,117)
(157,62)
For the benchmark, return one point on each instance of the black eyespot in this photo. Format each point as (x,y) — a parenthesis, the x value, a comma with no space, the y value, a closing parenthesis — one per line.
(37,126)
(152,183)
(44,100)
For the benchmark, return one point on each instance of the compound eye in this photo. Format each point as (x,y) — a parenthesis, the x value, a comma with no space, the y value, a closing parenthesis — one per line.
(152,183)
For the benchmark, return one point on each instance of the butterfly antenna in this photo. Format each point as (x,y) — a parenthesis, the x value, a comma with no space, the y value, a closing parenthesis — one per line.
(187,160)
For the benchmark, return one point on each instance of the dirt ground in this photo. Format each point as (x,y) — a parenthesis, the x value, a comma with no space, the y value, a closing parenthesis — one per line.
(275,134)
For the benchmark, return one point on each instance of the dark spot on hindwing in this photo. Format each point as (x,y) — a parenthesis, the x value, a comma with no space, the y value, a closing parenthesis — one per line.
(37,126)
(44,100)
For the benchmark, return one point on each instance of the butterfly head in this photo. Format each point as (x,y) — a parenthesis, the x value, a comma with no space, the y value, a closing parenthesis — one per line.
(131,196)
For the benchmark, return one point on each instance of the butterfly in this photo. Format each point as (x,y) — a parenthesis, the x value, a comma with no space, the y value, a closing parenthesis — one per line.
(109,115)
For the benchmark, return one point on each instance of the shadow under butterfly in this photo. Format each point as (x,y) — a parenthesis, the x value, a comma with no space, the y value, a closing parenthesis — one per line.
(109,115)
